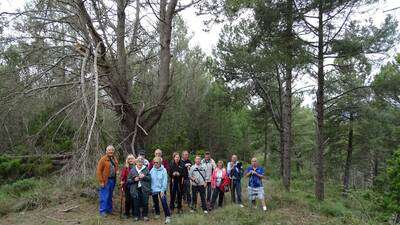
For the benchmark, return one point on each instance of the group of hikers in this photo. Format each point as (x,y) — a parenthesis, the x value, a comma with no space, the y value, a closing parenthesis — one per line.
(140,179)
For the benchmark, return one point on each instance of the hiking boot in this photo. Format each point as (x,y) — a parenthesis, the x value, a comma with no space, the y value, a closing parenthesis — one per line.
(157,216)
(146,218)
(167,220)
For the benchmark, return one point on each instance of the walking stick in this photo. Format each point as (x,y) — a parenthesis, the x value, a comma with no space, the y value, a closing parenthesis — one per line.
(122,200)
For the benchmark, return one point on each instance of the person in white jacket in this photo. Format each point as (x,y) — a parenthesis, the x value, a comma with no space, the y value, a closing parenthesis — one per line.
(209,164)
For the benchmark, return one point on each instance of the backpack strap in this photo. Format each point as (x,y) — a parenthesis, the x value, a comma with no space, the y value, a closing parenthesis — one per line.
(197,169)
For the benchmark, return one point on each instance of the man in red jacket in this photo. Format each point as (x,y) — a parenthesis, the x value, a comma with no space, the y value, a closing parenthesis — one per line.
(164,162)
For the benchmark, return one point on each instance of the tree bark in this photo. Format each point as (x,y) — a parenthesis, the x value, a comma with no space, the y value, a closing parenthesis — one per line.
(266,139)
(287,100)
(346,177)
(319,178)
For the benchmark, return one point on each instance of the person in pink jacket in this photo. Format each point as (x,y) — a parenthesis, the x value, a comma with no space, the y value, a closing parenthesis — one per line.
(220,183)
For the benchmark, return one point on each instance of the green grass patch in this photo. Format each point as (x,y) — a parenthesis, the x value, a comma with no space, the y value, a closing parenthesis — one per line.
(26,194)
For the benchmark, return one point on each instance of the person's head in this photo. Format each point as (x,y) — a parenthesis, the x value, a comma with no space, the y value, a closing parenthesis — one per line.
(207,155)
(234,158)
(158,153)
(141,153)
(139,162)
(157,162)
(185,155)
(220,164)
(254,162)
(110,150)
(130,160)
(197,160)
(176,157)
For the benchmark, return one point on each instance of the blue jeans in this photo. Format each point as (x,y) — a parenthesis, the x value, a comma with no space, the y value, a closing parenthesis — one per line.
(164,204)
(105,195)
(236,191)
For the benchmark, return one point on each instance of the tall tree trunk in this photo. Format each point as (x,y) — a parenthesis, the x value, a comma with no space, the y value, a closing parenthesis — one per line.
(266,139)
(281,152)
(320,142)
(287,99)
(346,177)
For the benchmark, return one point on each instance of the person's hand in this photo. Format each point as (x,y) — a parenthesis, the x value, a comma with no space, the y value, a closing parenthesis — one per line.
(141,175)
(205,185)
(161,194)
(122,183)
(136,178)
(102,185)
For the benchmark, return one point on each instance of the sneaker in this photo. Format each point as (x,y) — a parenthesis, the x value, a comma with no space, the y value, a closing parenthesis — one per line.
(241,206)
(205,212)
(180,211)
(265,208)
(124,216)
(135,219)
(103,215)
(167,220)
(157,216)
(192,211)
(146,218)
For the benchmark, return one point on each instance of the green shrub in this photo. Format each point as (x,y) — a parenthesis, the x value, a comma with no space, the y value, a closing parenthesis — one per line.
(392,198)
(19,187)
(9,168)
(26,194)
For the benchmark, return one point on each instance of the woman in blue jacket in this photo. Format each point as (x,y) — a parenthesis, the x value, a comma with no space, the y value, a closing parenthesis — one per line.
(159,180)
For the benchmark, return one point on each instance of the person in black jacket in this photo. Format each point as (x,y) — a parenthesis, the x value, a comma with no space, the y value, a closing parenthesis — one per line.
(139,180)
(186,179)
(177,171)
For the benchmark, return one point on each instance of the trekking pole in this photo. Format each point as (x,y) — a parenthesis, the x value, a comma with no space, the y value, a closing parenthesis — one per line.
(122,200)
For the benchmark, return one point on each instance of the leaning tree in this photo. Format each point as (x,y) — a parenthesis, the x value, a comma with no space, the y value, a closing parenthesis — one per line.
(112,54)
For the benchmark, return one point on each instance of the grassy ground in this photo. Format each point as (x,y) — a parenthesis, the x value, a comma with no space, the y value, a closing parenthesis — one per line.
(44,202)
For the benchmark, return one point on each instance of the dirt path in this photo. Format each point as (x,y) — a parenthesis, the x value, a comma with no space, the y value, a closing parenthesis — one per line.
(86,212)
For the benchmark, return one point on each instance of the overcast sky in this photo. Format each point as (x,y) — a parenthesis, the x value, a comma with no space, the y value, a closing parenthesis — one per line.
(208,40)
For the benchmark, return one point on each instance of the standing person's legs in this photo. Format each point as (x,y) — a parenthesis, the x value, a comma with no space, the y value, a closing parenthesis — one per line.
(208,191)
(194,197)
(186,191)
(179,195)
(111,185)
(233,188)
(214,197)
(136,206)
(103,197)
(220,198)
(145,204)
(238,188)
(128,202)
(156,203)
(173,196)
(164,204)
(202,191)
(261,197)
